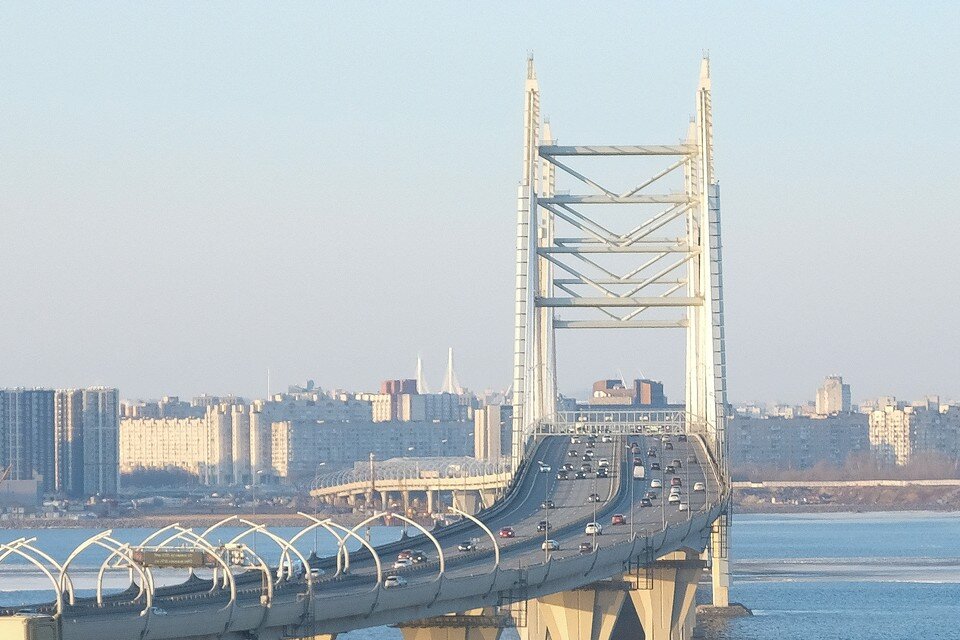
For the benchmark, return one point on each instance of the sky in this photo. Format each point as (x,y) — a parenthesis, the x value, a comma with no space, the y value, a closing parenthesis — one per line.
(194,193)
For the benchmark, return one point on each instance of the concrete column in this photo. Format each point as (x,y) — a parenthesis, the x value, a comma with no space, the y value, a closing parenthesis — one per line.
(667,611)
(477,624)
(720,559)
(405,499)
(384,500)
(589,613)
(488,497)
(466,501)
(429,501)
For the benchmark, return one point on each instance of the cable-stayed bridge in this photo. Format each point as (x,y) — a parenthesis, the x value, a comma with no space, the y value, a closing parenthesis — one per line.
(642,257)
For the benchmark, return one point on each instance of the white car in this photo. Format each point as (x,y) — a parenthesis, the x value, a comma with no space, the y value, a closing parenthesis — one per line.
(655,483)
(157,611)
(574,439)
(593,528)
(604,462)
(550,545)
(684,506)
(606,439)
(699,486)
(392,582)
(674,499)
(545,468)
(402,562)
(675,491)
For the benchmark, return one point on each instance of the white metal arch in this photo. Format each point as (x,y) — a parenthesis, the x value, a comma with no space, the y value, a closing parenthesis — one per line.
(325,525)
(433,539)
(15,549)
(121,554)
(101,539)
(370,548)
(264,569)
(486,529)
(188,535)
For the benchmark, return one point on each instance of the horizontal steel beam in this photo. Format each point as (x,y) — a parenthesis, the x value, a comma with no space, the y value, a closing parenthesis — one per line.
(548,150)
(619,302)
(653,198)
(619,324)
(679,247)
(623,281)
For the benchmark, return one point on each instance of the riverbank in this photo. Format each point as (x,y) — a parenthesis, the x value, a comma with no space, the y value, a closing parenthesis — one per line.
(826,499)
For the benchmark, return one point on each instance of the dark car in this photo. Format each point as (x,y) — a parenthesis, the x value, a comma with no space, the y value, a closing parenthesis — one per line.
(586,547)
(602,473)
(668,446)
(651,454)
(543,525)
(618,518)
(568,466)
(507,532)
(586,468)
(580,475)
(646,502)
(418,556)
(677,464)
(655,466)
(547,504)
(594,497)
(676,482)
(682,437)
(572,453)
(562,475)
(466,545)
(670,469)
(651,494)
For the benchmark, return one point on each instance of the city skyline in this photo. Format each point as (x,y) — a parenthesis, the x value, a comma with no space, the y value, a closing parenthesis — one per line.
(228,222)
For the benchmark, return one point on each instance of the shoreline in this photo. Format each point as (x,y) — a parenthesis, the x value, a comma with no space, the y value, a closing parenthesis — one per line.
(194,520)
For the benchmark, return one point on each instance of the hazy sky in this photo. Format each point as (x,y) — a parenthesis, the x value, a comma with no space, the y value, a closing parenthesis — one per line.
(192,193)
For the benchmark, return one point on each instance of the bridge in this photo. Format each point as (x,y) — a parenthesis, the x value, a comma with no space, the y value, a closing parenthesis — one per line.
(563,553)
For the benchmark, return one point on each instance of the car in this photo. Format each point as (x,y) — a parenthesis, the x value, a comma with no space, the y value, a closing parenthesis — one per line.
(562,475)
(547,504)
(574,439)
(602,473)
(677,464)
(654,466)
(393,582)
(568,466)
(586,547)
(665,438)
(676,481)
(606,438)
(682,437)
(618,518)
(586,467)
(594,497)
(655,483)
(587,457)
(573,453)
(593,529)
(691,459)
(543,525)
(699,486)
(507,532)
(402,562)
(676,491)
(545,468)
(651,495)
(646,502)
(157,611)
(405,554)
(668,446)
(550,545)
(466,545)
(418,556)
(651,454)
(670,469)
(651,451)
(580,475)
(674,499)
(31,611)
(603,463)
(316,572)
(684,506)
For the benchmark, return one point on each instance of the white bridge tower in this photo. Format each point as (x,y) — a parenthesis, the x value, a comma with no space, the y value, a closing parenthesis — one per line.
(643,256)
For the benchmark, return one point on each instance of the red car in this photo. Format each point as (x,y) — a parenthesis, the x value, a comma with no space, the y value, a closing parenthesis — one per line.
(507,532)
(618,518)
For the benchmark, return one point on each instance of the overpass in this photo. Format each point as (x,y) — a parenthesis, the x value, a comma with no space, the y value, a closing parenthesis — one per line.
(553,574)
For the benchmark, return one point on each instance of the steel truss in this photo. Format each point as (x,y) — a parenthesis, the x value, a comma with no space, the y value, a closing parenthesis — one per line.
(644,256)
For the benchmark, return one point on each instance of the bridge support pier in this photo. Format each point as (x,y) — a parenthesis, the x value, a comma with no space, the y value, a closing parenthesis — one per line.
(476,624)
(466,501)
(430,508)
(589,613)
(667,610)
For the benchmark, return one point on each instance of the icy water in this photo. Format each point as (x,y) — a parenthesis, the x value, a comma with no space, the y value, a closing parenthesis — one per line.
(824,577)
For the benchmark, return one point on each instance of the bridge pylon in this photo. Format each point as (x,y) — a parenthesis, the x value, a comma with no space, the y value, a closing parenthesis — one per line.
(643,256)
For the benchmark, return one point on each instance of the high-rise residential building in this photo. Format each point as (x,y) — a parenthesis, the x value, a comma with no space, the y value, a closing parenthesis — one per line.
(164,443)
(27,434)
(68,442)
(897,433)
(101,435)
(487,432)
(833,397)
(777,443)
